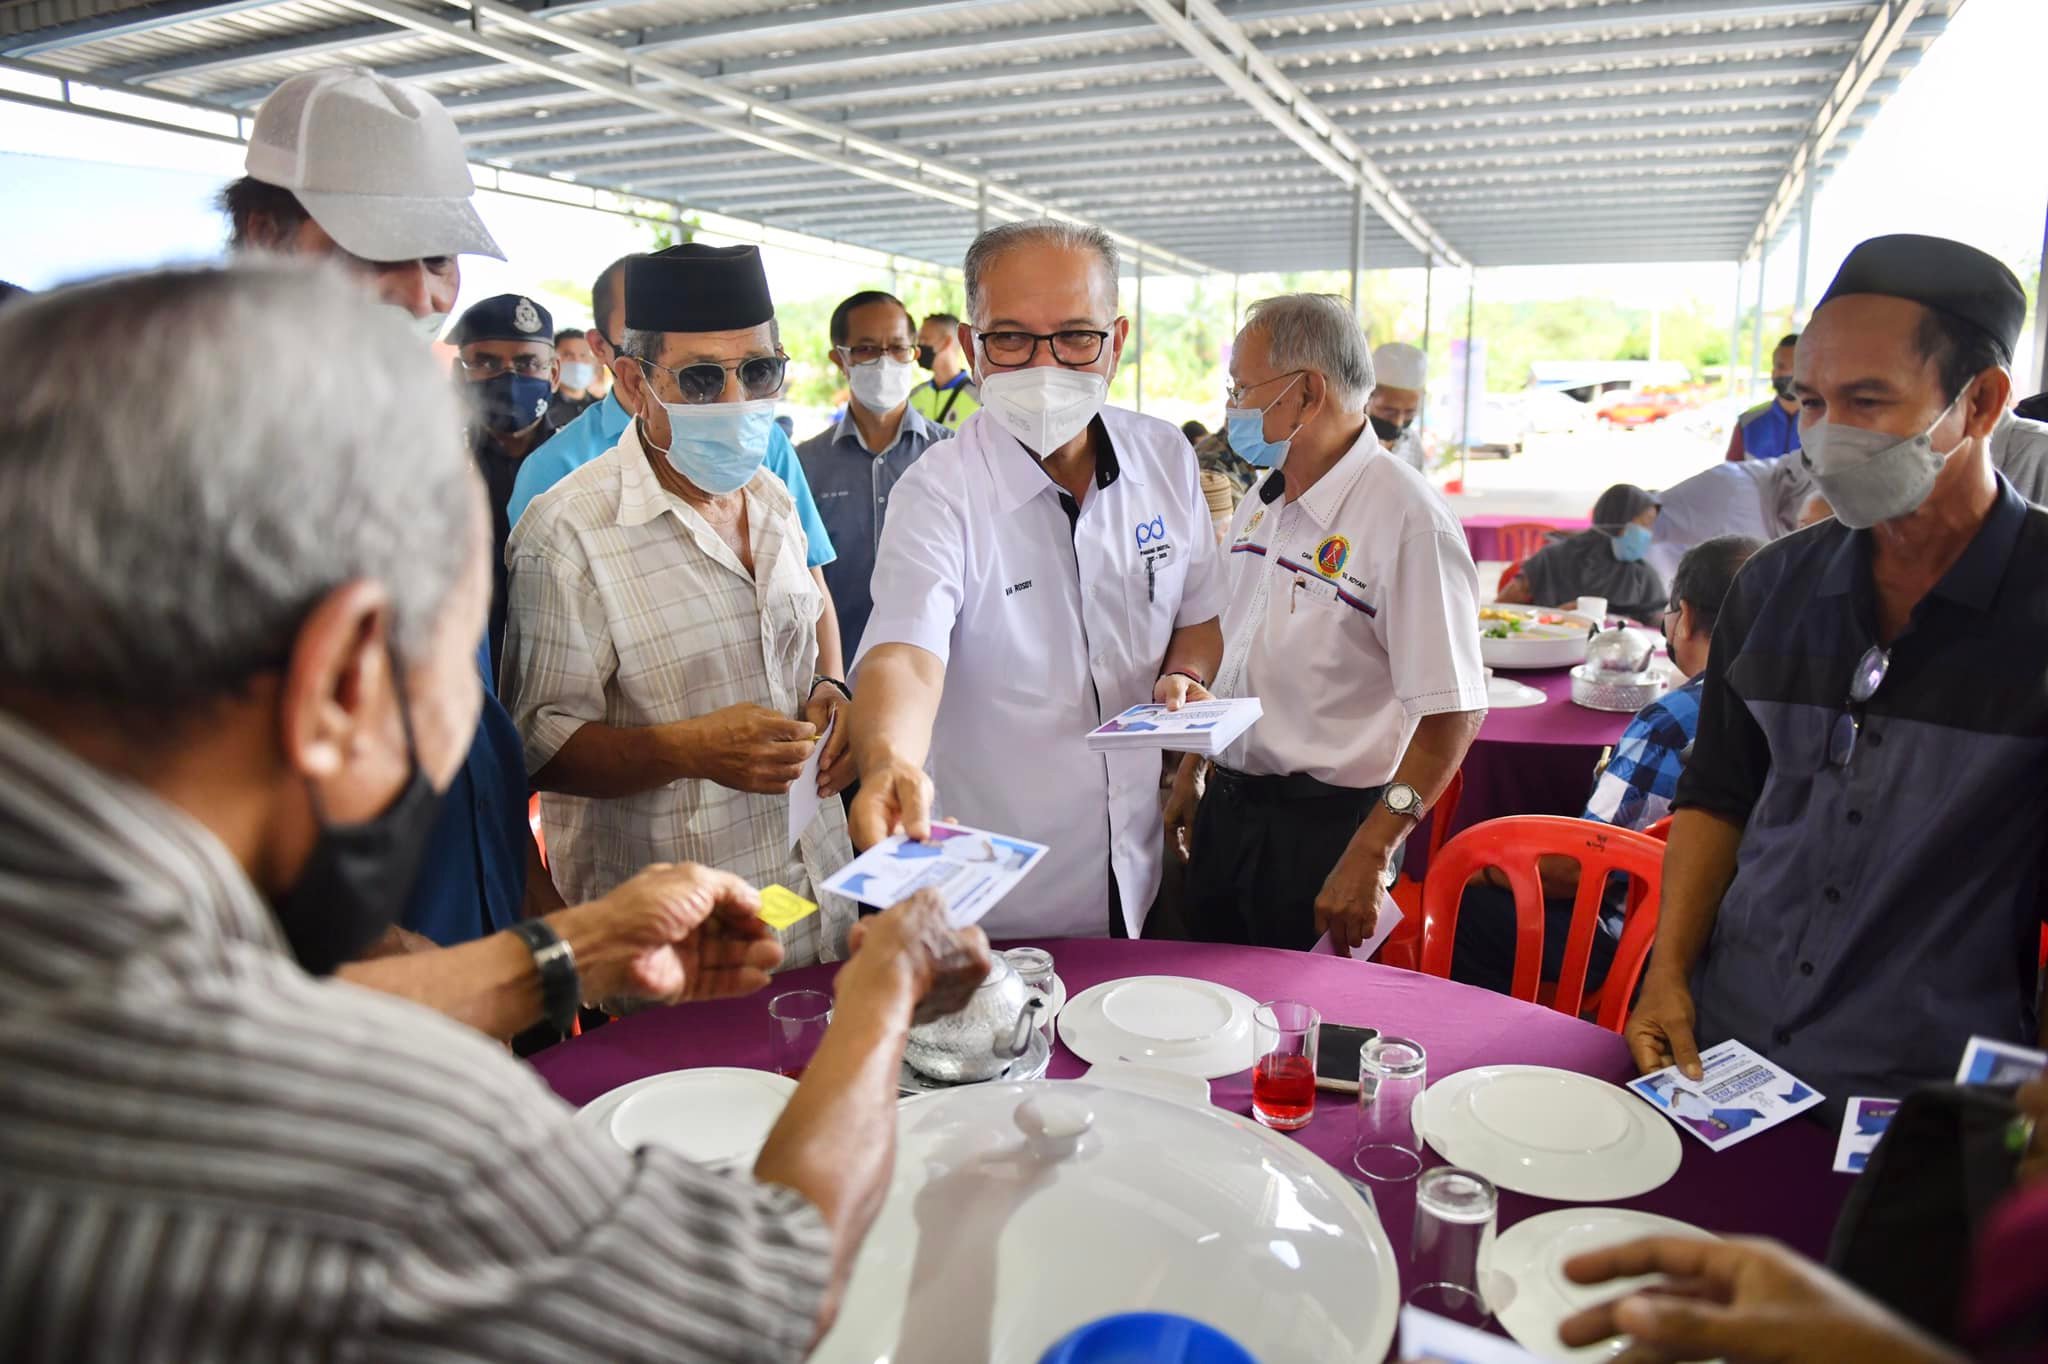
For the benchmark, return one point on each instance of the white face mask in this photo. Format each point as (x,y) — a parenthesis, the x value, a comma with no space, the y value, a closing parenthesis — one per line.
(427,328)
(881,385)
(1044,406)
(1872,476)
(577,375)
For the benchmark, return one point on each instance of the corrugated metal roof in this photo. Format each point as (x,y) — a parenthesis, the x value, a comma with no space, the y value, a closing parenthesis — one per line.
(1230,133)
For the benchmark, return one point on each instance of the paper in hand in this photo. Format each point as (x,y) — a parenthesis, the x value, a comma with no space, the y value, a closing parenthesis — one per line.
(804,802)
(781,907)
(1986,1062)
(1738,1095)
(971,870)
(1862,1124)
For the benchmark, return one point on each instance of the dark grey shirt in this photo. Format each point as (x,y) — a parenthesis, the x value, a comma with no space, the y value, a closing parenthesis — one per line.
(1584,565)
(1885,910)
(852,484)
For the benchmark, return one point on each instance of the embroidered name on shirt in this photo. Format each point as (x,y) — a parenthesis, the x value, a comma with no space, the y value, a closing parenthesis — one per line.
(1014,588)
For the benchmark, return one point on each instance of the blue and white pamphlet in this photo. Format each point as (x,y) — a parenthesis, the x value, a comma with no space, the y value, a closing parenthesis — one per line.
(971,869)
(1204,727)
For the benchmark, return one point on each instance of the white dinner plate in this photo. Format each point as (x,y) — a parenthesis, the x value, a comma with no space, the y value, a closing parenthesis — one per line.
(1547,1132)
(1526,1285)
(1178,1023)
(1504,693)
(717,1115)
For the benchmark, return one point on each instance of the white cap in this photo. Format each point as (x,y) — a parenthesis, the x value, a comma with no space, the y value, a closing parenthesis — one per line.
(379,165)
(1401,366)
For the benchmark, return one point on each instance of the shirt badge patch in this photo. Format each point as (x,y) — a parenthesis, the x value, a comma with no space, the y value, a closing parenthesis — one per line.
(1331,556)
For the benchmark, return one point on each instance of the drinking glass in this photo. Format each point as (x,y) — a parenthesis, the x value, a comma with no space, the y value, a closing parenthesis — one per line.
(1392,1073)
(1596,607)
(797,1020)
(1453,1244)
(1284,1066)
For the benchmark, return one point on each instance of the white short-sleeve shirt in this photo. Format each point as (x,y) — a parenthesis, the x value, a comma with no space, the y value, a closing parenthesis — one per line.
(1353,612)
(1047,629)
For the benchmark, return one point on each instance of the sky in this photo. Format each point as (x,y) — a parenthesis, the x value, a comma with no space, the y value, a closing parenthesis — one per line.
(1951,154)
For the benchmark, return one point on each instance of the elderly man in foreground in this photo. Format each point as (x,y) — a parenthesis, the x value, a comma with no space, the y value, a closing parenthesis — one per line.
(232,736)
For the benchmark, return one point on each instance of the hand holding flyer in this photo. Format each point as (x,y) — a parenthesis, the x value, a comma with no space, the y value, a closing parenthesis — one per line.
(969,868)
(1738,1095)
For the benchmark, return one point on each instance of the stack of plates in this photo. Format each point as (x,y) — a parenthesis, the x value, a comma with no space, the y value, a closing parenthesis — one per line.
(1176,1023)
(1551,1133)
(1526,1285)
(717,1115)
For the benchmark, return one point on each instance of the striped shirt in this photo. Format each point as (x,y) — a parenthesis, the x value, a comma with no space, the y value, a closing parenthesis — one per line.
(629,610)
(208,1155)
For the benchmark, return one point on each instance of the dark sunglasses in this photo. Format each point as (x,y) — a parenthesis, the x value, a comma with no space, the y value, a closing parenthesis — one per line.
(1863,684)
(760,377)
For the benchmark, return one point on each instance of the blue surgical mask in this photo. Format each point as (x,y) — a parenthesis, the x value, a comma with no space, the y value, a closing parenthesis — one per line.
(1245,427)
(1632,544)
(719,446)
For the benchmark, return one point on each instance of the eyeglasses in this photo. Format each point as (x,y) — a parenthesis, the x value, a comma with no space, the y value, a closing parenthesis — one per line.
(1234,395)
(491,366)
(1863,684)
(902,354)
(760,377)
(1021,348)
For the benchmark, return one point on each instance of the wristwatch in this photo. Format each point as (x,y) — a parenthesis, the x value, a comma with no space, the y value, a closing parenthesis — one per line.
(831,682)
(561,986)
(1402,799)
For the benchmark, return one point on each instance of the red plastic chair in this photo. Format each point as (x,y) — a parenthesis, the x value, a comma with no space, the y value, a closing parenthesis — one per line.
(1514,845)
(1521,539)
(1403,947)
(1507,575)
(533,822)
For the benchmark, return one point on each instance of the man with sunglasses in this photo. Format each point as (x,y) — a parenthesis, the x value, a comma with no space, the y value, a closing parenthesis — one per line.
(1855,883)
(664,651)
(855,464)
(1052,566)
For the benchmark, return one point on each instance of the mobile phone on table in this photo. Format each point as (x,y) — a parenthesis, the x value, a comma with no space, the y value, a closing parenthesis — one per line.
(1337,1047)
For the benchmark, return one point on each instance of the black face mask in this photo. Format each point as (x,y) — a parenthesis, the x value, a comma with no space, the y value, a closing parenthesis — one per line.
(358,876)
(927,356)
(1385,429)
(1783,384)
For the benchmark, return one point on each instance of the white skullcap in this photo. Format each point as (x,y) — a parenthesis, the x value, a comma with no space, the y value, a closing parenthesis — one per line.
(1401,366)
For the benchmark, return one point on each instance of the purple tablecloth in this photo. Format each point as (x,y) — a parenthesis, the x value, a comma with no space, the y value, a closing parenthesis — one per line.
(1482,532)
(1776,1184)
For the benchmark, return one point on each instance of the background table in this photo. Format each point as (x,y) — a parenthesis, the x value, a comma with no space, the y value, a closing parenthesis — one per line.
(1776,1184)
(1482,533)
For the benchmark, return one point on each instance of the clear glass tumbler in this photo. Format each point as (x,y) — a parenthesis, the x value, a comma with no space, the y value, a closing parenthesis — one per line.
(1392,1073)
(1284,1063)
(797,1020)
(1034,966)
(1453,1244)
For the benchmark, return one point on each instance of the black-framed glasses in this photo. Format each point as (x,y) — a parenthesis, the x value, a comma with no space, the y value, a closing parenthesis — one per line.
(902,354)
(491,366)
(760,377)
(1863,684)
(1073,347)
(1234,395)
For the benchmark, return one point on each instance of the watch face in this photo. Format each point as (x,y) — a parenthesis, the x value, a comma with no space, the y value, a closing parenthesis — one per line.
(1401,798)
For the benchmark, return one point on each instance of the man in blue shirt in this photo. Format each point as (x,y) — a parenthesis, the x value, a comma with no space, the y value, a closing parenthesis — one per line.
(1770,430)
(854,463)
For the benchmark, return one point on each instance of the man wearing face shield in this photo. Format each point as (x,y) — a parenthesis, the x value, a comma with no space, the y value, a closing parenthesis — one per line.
(1050,567)
(1854,885)
(1403,373)
(220,751)
(662,651)
(852,467)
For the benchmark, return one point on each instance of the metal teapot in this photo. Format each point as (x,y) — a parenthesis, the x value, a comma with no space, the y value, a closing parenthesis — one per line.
(1623,650)
(978,1043)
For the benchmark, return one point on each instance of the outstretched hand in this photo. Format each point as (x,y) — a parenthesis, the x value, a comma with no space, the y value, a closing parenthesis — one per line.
(673,933)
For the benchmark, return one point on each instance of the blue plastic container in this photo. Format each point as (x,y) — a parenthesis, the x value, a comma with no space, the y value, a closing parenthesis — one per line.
(1147,1338)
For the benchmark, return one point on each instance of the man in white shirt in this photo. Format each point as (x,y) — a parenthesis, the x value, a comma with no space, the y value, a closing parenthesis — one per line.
(1052,566)
(662,644)
(1402,372)
(1352,616)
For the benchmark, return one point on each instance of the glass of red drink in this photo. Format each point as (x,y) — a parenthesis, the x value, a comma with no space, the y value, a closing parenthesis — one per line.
(1284,1065)
(797,1020)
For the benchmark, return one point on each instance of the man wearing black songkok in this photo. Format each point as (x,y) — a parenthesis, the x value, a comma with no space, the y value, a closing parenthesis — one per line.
(1855,885)
(663,648)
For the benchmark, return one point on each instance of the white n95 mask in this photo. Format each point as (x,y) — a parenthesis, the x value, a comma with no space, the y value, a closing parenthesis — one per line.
(1045,406)
(881,385)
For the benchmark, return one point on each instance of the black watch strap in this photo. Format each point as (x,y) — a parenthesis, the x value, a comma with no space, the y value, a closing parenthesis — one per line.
(833,683)
(561,988)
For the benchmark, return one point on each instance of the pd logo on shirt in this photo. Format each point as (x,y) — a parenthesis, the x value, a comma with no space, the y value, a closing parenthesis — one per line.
(1152,532)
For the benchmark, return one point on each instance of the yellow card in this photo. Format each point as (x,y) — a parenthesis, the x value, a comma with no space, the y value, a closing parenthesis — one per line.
(781,907)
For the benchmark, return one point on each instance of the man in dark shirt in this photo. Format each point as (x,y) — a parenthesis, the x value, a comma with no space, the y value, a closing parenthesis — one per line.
(1854,884)
(506,350)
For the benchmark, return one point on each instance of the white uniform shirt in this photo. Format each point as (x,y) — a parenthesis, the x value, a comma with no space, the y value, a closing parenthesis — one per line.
(628,609)
(1047,630)
(1353,613)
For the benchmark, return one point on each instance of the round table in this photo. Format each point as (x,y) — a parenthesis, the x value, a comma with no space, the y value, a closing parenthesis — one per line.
(1776,1184)
(1482,531)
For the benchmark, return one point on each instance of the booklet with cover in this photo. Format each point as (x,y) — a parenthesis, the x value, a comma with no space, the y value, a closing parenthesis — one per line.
(969,868)
(1204,727)
(1738,1095)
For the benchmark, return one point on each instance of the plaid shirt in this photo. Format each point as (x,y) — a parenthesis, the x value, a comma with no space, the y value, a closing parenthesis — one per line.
(628,610)
(1636,788)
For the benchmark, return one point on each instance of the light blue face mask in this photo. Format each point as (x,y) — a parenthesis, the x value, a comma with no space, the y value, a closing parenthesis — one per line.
(1632,544)
(1245,428)
(719,446)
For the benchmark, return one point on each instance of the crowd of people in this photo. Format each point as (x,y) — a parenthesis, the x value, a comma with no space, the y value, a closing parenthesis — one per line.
(275,693)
